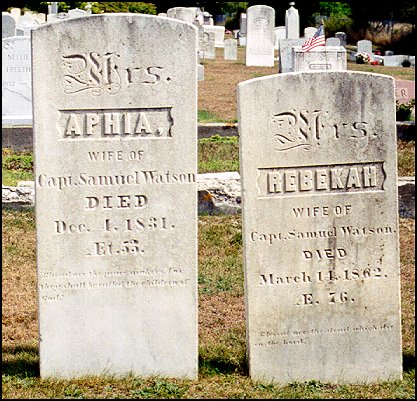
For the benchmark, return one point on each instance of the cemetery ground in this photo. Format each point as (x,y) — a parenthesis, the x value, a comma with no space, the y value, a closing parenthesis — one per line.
(222,365)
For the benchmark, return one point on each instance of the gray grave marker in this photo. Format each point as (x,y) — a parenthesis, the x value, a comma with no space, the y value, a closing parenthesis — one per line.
(16,81)
(116,200)
(320,227)
(8,26)
(230,49)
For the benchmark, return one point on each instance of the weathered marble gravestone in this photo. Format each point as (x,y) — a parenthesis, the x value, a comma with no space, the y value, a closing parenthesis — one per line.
(242,29)
(342,36)
(16,91)
(333,42)
(8,26)
(76,13)
(260,36)
(230,49)
(116,206)
(286,59)
(364,46)
(323,58)
(279,33)
(206,48)
(292,22)
(320,227)
(309,31)
(218,33)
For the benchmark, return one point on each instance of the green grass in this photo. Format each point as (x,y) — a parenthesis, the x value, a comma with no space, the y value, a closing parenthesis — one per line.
(205,116)
(215,154)
(222,362)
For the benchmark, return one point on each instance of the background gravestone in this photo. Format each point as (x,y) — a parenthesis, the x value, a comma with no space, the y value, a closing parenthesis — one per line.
(8,26)
(342,37)
(230,49)
(324,58)
(333,42)
(242,29)
(16,78)
(116,206)
(285,59)
(364,46)
(320,227)
(292,22)
(260,36)
(309,31)
(279,33)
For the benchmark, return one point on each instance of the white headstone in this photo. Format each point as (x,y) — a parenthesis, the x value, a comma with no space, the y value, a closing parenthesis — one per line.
(328,58)
(200,72)
(8,26)
(230,49)
(185,14)
(292,22)
(16,86)
(76,13)
(280,32)
(116,198)
(260,36)
(320,227)
(16,14)
(309,31)
(218,33)
(206,48)
(333,42)
(364,46)
(285,59)
(395,61)
(40,17)
(27,23)
(243,29)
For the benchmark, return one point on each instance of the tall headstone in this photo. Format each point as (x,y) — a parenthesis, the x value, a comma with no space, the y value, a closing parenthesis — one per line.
(364,46)
(292,22)
(243,29)
(320,227)
(116,206)
(16,88)
(8,26)
(342,36)
(260,36)
(230,49)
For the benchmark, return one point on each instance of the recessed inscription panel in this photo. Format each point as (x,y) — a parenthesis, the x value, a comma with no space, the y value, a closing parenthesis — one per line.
(115,174)
(320,228)
(116,123)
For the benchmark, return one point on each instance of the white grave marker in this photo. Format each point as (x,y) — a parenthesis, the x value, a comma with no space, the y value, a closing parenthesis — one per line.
(116,200)
(16,91)
(260,36)
(320,227)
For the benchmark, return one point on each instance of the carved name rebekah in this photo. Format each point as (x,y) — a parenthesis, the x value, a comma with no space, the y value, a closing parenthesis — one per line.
(321,179)
(115,123)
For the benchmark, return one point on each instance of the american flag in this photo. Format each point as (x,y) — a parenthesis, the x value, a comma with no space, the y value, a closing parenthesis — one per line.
(316,40)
